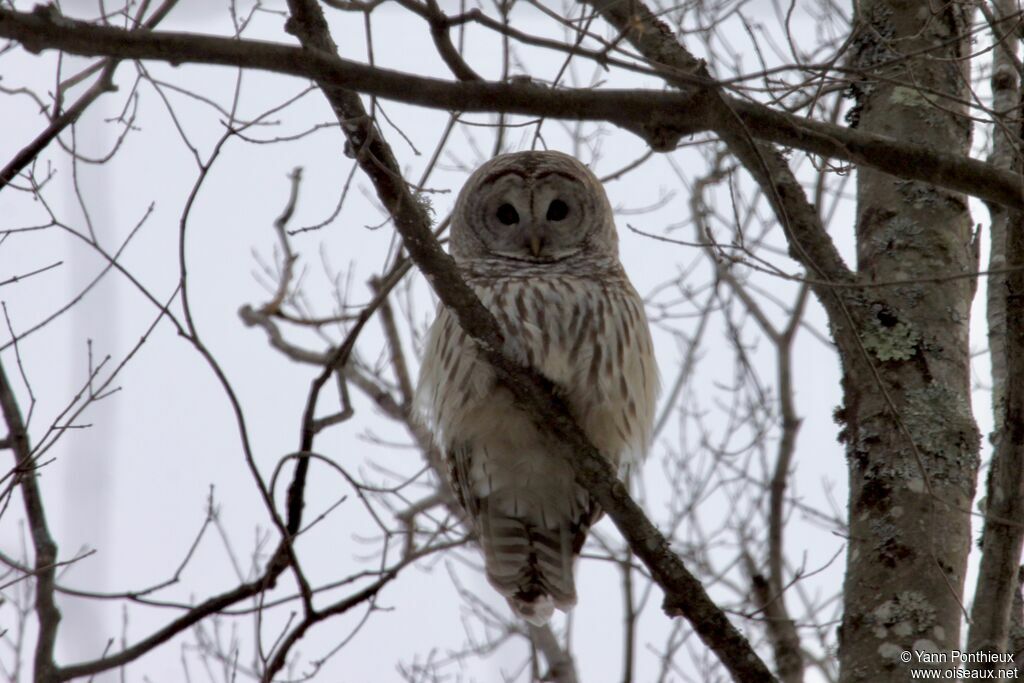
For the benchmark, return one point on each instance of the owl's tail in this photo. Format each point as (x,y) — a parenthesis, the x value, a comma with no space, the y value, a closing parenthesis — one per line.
(530,565)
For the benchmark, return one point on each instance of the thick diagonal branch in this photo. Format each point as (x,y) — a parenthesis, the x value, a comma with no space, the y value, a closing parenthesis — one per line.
(684,595)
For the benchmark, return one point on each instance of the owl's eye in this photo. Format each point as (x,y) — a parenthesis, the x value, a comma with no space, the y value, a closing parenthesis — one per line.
(557,210)
(507,214)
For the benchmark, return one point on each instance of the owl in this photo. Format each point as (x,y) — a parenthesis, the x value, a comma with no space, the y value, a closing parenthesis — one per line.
(533,234)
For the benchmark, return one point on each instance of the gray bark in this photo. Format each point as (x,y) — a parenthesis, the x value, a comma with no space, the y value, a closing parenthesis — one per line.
(911,441)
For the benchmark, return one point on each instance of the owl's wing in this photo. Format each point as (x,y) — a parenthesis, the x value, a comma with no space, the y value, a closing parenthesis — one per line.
(459,461)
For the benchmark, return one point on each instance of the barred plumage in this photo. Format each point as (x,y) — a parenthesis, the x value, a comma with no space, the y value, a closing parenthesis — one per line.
(566,307)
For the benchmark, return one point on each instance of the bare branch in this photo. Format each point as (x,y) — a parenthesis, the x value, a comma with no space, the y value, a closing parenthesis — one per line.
(662,119)
(42,541)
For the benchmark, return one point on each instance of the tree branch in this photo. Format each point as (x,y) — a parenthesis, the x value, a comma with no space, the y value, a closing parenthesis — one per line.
(684,595)
(660,118)
(104,83)
(1003,536)
(45,547)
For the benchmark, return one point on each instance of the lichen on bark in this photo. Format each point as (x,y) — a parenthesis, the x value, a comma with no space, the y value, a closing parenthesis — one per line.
(912,444)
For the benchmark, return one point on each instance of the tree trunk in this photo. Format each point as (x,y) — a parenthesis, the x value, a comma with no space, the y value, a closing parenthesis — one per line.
(911,441)
(997,592)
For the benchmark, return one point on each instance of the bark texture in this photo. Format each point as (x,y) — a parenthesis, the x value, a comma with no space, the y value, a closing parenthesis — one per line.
(911,441)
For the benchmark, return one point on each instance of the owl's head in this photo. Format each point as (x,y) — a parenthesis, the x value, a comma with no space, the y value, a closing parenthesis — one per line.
(537,207)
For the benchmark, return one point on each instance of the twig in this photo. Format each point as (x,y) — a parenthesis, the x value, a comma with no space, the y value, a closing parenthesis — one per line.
(37,271)
(287,255)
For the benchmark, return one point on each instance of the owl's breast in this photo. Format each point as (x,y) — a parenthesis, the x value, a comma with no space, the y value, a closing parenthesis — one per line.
(589,336)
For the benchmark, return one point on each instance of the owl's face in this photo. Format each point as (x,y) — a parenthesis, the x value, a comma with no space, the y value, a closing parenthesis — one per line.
(536,207)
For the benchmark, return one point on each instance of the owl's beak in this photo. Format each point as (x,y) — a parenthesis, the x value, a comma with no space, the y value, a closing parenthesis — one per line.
(536,242)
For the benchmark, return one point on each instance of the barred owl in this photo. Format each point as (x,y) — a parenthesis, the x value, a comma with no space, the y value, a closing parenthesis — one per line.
(534,236)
